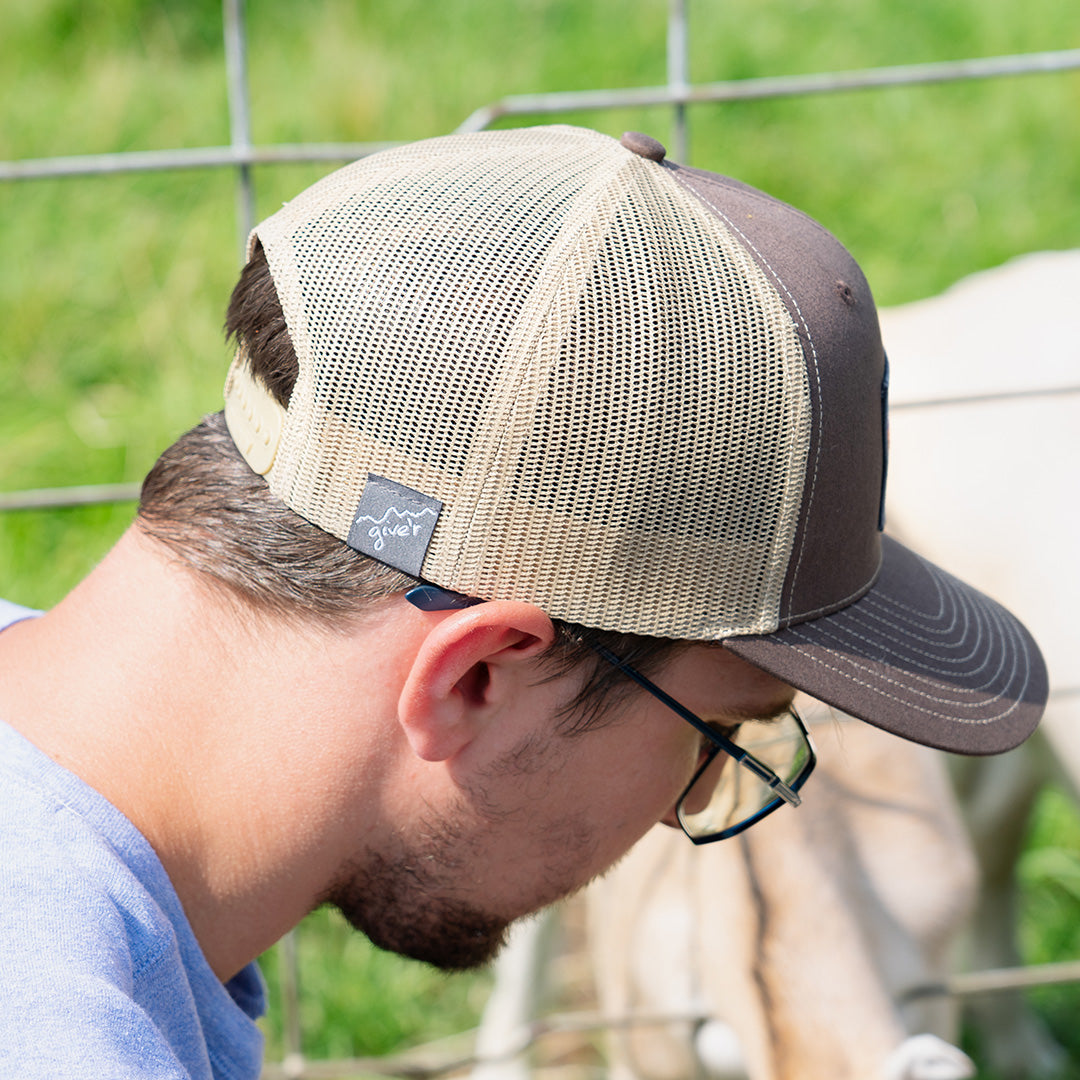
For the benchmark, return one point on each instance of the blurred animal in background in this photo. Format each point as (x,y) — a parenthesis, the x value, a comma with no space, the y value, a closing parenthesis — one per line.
(802,939)
(798,949)
(986,481)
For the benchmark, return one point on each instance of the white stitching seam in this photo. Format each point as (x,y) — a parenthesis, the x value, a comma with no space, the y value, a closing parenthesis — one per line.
(874,687)
(827,633)
(813,353)
(858,594)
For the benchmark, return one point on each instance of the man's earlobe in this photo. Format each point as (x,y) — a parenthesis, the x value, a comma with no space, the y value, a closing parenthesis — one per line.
(469,665)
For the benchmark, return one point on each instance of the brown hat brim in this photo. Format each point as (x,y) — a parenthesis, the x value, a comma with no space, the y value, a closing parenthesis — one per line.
(921,655)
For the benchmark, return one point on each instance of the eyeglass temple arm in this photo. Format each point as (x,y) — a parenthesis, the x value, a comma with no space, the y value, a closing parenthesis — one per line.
(743,757)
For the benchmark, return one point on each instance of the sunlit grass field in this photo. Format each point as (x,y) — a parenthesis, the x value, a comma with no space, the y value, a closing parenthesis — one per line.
(112,289)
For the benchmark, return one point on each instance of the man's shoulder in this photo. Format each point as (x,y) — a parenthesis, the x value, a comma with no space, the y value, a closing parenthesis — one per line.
(96,957)
(75,930)
(13,613)
(66,888)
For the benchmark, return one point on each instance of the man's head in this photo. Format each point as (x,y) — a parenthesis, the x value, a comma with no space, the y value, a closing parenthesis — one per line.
(541,365)
(627,404)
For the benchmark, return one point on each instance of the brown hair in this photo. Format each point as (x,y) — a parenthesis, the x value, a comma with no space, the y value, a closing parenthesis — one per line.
(219,518)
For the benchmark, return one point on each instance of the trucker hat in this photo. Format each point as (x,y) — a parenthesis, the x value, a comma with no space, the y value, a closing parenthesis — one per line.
(548,365)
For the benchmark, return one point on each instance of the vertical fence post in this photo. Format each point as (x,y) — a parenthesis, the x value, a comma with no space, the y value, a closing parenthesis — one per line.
(239,116)
(235,33)
(678,76)
(289,958)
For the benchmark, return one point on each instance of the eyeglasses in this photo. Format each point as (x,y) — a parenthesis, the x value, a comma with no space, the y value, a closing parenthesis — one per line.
(775,756)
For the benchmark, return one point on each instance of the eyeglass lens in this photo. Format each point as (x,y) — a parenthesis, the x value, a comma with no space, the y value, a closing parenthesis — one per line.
(723,797)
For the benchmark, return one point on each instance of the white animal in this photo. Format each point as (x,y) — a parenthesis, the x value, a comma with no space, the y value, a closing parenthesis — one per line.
(800,938)
(986,482)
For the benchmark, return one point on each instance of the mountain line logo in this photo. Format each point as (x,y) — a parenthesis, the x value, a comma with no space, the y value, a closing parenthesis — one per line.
(395,524)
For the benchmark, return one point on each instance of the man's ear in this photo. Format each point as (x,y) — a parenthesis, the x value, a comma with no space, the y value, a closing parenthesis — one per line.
(469,664)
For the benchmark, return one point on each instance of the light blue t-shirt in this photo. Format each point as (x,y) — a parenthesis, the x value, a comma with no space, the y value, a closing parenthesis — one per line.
(100,974)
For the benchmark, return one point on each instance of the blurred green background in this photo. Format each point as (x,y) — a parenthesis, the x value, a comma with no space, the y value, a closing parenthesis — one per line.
(112,289)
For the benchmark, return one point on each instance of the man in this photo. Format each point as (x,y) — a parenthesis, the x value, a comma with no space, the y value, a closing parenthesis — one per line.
(520,425)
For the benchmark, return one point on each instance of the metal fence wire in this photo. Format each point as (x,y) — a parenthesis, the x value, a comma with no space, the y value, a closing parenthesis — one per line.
(678,93)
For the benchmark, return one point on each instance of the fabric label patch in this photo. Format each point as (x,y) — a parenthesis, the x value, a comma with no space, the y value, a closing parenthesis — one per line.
(394,524)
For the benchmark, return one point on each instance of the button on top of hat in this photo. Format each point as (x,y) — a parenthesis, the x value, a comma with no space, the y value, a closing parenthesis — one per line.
(644,145)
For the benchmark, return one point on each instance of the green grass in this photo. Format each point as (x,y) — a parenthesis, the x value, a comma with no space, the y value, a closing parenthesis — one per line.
(1049,922)
(356,1001)
(112,289)
(1049,875)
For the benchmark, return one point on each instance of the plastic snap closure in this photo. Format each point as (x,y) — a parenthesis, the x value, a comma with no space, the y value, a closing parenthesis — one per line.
(254,419)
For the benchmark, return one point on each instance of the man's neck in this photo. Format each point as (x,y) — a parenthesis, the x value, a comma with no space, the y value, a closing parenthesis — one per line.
(218,738)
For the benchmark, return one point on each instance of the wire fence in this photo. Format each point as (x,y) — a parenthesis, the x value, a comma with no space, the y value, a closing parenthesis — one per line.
(678,93)
(460,1053)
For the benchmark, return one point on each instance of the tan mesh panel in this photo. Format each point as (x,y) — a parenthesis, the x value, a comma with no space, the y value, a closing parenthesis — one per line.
(526,337)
